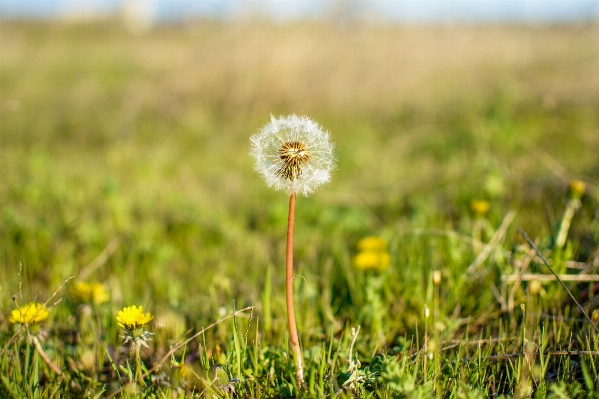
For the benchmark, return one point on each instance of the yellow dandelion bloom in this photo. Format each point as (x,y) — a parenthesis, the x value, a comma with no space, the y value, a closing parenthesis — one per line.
(372,260)
(93,293)
(577,189)
(31,314)
(372,244)
(133,317)
(479,208)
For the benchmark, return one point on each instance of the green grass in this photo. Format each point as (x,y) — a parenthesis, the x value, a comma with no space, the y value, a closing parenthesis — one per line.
(127,157)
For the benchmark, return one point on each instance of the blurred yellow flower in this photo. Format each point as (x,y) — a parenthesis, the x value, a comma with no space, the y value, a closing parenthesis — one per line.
(372,254)
(93,293)
(31,314)
(133,317)
(436,277)
(535,287)
(577,189)
(372,244)
(479,208)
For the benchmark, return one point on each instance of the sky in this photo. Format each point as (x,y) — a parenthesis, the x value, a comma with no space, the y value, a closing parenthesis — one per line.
(393,10)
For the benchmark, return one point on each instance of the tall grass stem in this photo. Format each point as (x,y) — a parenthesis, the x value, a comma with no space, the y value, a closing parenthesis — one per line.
(44,356)
(533,246)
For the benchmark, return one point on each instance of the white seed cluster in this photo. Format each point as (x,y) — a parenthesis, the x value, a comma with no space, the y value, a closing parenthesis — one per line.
(293,154)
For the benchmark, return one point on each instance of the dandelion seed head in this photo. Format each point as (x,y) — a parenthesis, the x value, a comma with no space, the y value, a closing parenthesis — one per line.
(293,154)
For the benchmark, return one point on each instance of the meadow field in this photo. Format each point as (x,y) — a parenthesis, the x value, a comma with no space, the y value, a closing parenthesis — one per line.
(126,179)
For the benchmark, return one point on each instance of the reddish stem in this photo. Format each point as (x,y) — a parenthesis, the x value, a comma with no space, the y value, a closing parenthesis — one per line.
(297,351)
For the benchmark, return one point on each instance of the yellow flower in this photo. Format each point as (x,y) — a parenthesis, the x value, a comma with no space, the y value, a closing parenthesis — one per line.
(372,260)
(133,317)
(577,189)
(479,208)
(372,254)
(94,293)
(31,314)
(372,244)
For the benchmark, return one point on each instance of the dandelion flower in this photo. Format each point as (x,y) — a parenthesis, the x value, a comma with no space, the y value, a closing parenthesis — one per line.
(479,208)
(293,154)
(372,260)
(372,244)
(133,317)
(92,293)
(372,254)
(577,189)
(31,314)
(133,320)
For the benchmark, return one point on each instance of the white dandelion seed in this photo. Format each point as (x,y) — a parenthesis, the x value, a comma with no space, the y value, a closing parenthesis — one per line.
(293,154)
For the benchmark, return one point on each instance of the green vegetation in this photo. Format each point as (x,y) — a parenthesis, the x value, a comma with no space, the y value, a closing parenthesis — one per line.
(124,161)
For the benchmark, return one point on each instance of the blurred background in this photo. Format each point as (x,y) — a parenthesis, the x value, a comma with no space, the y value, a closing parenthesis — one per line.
(124,144)
(152,11)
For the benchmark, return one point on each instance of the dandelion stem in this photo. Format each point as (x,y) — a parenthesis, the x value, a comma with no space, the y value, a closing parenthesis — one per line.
(137,363)
(297,352)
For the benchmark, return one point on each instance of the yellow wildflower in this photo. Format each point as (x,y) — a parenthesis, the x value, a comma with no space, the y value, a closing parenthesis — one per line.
(372,254)
(31,314)
(577,189)
(479,208)
(133,317)
(372,244)
(372,260)
(93,293)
